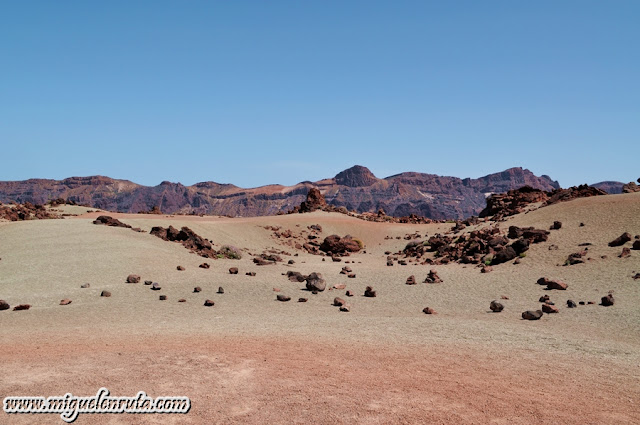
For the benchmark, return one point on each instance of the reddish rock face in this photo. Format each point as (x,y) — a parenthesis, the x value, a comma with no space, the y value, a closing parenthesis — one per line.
(355,189)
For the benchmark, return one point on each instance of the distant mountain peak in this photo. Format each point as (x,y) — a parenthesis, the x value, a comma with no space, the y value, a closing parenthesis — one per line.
(356,176)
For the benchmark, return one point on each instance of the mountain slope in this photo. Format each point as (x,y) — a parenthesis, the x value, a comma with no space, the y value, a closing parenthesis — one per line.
(356,188)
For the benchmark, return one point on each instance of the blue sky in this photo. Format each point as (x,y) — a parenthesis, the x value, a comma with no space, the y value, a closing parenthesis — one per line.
(258,92)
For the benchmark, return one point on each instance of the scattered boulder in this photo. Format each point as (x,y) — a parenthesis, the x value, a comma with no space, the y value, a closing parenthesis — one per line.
(345,308)
(552,284)
(66,301)
(148,282)
(105,294)
(250,274)
(4,305)
(155,286)
(532,314)
(630,187)
(351,275)
(233,270)
(296,276)
(220,290)
(315,201)
(607,301)
(197,289)
(182,300)
(544,299)
(302,300)
(486,269)
(411,280)
(557,225)
(349,293)
(571,304)
(133,278)
(22,307)
(283,298)
(162,297)
(496,307)
(315,282)
(85,285)
(429,310)
(188,238)
(503,255)
(369,292)
(337,301)
(575,258)
(621,240)
(346,270)
(110,221)
(433,277)
(180,268)
(204,266)
(548,308)
(636,244)
(626,252)
(637,276)
(340,246)
(209,303)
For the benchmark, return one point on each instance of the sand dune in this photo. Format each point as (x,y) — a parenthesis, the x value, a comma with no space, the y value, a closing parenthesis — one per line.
(251,359)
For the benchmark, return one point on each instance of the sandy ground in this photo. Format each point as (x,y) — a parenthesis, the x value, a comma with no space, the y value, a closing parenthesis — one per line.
(251,359)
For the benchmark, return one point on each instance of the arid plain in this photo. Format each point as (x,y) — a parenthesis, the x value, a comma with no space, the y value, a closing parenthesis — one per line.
(253,359)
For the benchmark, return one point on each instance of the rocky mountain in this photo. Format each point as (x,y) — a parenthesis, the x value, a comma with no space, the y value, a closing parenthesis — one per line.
(356,188)
(611,187)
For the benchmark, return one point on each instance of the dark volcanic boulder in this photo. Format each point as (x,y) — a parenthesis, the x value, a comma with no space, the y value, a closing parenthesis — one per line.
(110,221)
(496,307)
(337,245)
(532,314)
(22,307)
(504,255)
(4,305)
(369,292)
(133,278)
(315,282)
(621,240)
(283,298)
(188,238)
(607,301)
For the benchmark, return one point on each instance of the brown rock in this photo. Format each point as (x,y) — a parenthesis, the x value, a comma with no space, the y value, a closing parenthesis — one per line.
(133,278)
(369,292)
(626,253)
(636,245)
(411,280)
(148,282)
(496,307)
(532,314)
(607,301)
(315,282)
(220,290)
(283,298)
(429,310)
(180,268)
(197,289)
(302,300)
(162,297)
(85,285)
(155,286)
(22,307)
(337,301)
(209,303)
(250,273)
(557,225)
(621,240)
(351,275)
(504,297)
(105,294)
(339,286)
(204,266)
(486,269)
(571,304)
(349,293)
(66,301)
(346,308)
(4,305)
(182,300)
(433,277)
(233,270)
(557,284)
(110,221)
(548,308)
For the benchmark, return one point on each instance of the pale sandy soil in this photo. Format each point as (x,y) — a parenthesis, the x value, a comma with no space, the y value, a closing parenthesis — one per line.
(251,359)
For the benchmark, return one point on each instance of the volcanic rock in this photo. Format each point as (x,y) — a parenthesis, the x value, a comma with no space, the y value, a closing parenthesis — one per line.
(204,266)
(548,308)
(233,270)
(496,307)
(315,282)
(607,301)
(133,278)
(411,280)
(105,294)
(532,314)
(621,240)
(4,305)
(65,301)
(369,292)
(110,221)
(337,301)
(209,303)
(429,310)
(283,298)
(432,277)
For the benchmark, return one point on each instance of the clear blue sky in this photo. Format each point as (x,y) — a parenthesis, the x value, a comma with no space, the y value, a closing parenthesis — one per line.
(258,92)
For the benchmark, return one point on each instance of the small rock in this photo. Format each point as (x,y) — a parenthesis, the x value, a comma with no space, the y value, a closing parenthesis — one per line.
(155,286)
(411,280)
(66,301)
(283,298)
(556,225)
(133,278)
(315,282)
(346,308)
(571,304)
(204,266)
(433,277)
(250,273)
(4,305)
(148,282)
(351,276)
(621,240)
(544,298)
(548,308)
(532,314)
(626,253)
(233,270)
(389,263)
(339,286)
(504,297)
(197,289)
(22,307)
(182,300)
(369,292)
(496,307)
(607,301)
(180,268)
(486,269)
(337,301)
(349,293)
(302,300)
(162,297)
(209,303)
(291,262)
(276,289)
(105,294)
(429,310)
(85,285)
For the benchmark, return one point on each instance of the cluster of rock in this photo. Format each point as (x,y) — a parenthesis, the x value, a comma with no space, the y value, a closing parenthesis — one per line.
(484,246)
(515,201)
(26,211)
(188,238)
(631,187)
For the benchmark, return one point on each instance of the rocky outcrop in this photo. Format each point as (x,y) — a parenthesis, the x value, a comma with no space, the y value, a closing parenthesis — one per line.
(630,187)
(188,238)
(356,189)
